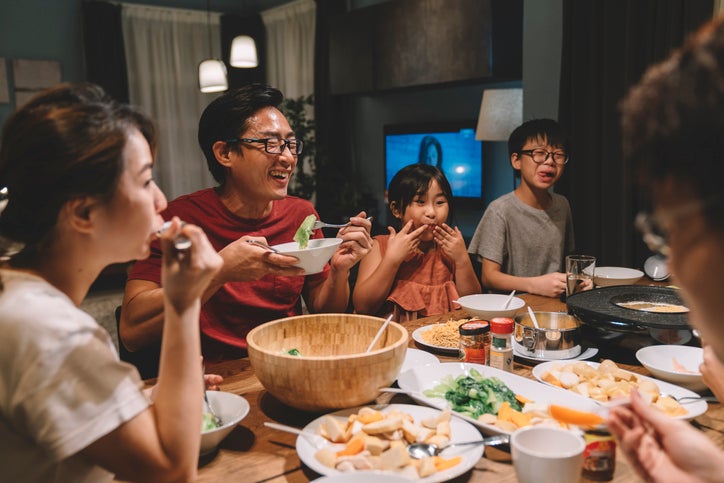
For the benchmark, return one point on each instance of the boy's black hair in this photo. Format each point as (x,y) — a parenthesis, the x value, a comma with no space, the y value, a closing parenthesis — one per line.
(547,129)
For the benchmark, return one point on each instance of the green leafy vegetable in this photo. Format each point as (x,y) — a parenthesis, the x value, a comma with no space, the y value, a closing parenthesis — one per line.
(473,395)
(208,423)
(294,352)
(305,231)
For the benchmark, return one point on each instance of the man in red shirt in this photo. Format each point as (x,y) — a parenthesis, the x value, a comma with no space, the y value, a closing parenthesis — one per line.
(251,151)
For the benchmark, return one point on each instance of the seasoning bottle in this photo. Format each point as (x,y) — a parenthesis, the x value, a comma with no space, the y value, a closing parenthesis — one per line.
(501,350)
(475,341)
(599,457)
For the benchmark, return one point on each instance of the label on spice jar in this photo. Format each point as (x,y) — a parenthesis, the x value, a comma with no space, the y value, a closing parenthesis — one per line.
(599,457)
(501,358)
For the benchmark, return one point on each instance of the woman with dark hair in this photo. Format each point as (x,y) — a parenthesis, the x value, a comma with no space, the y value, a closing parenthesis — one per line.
(77,167)
(430,152)
(421,269)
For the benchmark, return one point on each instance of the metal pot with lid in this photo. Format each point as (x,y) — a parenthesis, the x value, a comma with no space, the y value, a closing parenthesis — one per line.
(557,337)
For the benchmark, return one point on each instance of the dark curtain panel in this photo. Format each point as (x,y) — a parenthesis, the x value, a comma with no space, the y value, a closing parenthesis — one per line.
(337,195)
(105,58)
(607,45)
(253,26)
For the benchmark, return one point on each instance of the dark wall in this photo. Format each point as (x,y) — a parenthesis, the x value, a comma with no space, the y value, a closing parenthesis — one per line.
(416,61)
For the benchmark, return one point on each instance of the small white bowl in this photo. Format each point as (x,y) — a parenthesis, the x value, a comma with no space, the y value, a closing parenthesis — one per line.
(659,360)
(610,276)
(486,306)
(313,258)
(231,408)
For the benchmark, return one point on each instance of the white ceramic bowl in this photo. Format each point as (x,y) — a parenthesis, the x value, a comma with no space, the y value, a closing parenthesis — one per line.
(231,408)
(661,361)
(312,258)
(486,306)
(610,276)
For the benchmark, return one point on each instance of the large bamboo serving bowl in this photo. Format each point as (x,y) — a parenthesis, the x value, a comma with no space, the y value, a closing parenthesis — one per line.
(333,370)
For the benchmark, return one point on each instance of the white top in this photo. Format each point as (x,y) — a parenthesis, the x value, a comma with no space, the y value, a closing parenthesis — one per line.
(62,385)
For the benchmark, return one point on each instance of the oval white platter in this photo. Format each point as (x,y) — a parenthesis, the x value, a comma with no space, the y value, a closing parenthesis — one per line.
(695,408)
(416,381)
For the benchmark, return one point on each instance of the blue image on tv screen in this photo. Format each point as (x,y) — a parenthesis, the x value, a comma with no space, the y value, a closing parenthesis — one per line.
(457,153)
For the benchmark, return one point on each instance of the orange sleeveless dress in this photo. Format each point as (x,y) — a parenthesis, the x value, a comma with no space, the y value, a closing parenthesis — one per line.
(424,285)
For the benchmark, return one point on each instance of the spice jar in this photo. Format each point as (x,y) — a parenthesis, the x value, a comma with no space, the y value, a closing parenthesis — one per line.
(501,350)
(599,457)
(475,341)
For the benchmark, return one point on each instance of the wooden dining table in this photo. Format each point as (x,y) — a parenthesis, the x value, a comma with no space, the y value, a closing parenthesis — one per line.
(256,453)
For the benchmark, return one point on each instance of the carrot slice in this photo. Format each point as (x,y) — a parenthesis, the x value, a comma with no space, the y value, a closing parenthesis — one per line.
(353,447)
(522,399)
(573,416)
(443,464)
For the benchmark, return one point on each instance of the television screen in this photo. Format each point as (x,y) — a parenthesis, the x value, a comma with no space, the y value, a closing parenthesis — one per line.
(450,146)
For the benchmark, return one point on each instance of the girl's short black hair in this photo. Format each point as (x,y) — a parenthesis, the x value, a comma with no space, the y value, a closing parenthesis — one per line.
(414,180)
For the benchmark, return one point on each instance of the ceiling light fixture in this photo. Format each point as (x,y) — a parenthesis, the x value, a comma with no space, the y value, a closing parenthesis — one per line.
(243,52)
(212,72)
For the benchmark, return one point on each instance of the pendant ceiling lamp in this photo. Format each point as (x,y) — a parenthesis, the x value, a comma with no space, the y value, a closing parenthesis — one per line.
(212,72)
(243,52)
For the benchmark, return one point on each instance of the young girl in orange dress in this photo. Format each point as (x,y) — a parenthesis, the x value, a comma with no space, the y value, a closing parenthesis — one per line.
(421,269)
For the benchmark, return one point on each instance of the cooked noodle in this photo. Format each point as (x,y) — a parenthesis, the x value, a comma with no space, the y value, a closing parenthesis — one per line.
(444,334)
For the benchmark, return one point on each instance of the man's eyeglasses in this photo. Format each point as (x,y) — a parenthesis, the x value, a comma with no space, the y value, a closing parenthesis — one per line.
(274,145)
(540,156)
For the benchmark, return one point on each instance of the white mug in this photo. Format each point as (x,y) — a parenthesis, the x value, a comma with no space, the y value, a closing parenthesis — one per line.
(547,453)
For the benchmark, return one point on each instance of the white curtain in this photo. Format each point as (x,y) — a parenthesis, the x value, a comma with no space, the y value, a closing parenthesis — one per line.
(290,47)
(164,47)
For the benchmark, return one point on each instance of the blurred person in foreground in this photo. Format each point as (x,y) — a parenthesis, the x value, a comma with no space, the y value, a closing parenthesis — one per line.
(673,129)
(77,166)
(252,152)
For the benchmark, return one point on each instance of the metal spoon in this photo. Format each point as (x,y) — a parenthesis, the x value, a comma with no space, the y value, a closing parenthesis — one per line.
(180,243)
(690,399)
(421,450)
(263,245)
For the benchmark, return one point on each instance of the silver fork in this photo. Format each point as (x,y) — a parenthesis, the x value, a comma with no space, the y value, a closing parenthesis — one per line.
(320,224)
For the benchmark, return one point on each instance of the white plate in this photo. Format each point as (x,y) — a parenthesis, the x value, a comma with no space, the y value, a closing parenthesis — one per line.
(459,430)
(659,360)
(694,408)
(417,358)
(417,336)
(418,380)
(586,354)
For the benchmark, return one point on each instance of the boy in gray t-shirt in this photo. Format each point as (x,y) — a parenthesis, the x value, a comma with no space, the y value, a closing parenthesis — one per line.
(524,235)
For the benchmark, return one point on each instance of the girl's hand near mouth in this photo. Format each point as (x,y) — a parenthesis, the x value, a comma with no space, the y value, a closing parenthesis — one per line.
(451,242)
(404,243)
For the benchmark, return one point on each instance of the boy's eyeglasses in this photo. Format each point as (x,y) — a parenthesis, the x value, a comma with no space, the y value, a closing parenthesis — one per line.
(274,145)
(540,156)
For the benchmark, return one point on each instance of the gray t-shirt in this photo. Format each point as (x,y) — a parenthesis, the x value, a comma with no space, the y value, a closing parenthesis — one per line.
(525,241)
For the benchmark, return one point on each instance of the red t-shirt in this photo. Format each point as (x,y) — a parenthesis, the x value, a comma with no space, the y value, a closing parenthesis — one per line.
(238,307)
